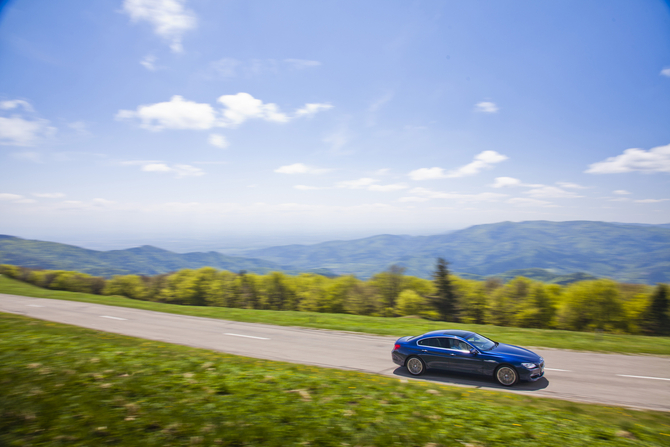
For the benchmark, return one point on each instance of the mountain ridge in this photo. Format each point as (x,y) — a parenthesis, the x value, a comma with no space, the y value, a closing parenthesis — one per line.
(625,252)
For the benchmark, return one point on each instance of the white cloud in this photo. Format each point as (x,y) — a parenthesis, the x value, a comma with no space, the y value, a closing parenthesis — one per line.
(10,197)
(180,170)
(338,139)
(169,18)
(413,199)
(299,168)
(621,192)
(651,200)
(654,160)
(179,113)
(17,130)
(149,62)
(218,141)
(501,182)
(483,160)
(430,194)
(187,171)
(543,191)
(312,109)
(666,72)
(381,101)
(226,67)
(486,107)
(300,64)
(570,185)
(156,167)
(388,188)
(520,201)
(49,195)
(307,188)
(15,103)
(539,190)
(243,106)
(427,174)
(174,114)
(229,67)
(361,183)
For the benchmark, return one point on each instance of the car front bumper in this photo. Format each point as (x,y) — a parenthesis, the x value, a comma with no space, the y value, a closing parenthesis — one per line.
(532,374)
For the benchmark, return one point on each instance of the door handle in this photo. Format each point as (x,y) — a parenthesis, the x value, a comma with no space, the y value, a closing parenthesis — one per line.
(424,350)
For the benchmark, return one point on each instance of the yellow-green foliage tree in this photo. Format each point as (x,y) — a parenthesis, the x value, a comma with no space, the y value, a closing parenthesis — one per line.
(131,286)
(589,305)
(410,303)
(537,309)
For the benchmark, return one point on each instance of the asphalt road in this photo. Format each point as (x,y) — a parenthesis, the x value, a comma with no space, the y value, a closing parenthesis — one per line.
(611,379)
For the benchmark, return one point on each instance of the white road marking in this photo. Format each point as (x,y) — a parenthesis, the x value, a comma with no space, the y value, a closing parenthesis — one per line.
(642,377)
(554,369)
(247,336)
(113,318)
(33,305)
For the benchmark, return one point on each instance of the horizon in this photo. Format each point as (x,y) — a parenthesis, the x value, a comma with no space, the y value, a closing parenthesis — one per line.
(238,246)
(236,124)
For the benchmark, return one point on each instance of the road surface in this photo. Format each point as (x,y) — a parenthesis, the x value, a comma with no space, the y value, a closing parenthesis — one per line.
(612,379)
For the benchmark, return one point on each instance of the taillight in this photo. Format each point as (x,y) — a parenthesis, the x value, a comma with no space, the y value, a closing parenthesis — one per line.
(396,347)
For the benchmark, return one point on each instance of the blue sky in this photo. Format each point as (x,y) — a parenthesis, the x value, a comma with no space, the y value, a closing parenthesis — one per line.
(297,121)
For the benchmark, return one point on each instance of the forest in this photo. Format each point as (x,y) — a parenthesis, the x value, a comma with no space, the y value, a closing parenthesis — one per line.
(593,305)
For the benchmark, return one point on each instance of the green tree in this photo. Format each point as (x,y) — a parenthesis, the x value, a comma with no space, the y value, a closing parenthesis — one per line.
(592,305)
(444,300)
(410,303)
(656,319)
(131,286)
(389,284)
(473,301)
(537,310)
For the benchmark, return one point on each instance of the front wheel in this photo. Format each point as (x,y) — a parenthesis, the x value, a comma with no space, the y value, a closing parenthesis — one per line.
(506,375)
(415,366)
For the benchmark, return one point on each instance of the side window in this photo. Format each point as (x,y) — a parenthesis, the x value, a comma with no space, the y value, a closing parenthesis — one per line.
(446,343)
(461,345)
(434,342)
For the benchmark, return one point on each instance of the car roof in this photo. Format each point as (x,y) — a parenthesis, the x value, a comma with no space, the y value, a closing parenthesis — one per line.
(453,332)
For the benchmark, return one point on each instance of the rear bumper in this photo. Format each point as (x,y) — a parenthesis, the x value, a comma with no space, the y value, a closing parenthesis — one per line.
(398,358)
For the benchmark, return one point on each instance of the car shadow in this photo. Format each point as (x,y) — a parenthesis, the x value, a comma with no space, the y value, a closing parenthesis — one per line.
(455,378)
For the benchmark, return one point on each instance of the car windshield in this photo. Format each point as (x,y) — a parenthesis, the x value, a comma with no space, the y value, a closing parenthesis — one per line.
(480,342)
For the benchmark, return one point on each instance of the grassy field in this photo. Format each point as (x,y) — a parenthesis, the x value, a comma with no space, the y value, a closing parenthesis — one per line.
(67,386)
(630,344)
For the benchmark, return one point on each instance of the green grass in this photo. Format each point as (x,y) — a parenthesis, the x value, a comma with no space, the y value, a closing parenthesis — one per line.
(62,385)
(583,341)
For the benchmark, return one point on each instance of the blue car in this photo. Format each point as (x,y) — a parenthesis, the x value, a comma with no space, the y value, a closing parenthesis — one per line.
(467,352)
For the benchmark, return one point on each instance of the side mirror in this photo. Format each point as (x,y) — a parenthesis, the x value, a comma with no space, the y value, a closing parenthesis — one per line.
(473,351)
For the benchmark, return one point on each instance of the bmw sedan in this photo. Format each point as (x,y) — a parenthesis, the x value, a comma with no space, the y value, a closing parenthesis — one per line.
(467,352)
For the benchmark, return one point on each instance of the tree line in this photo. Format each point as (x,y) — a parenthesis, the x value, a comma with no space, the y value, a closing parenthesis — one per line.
(582,306)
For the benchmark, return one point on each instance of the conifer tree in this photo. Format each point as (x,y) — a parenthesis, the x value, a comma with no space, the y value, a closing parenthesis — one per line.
(445,300)
(657,319)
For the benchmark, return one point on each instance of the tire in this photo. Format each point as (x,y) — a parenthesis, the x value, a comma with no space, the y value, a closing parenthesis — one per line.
(506,375)
(415,366)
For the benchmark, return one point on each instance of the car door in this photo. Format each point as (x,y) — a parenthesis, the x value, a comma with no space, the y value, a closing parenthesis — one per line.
(462,360)
(433,354)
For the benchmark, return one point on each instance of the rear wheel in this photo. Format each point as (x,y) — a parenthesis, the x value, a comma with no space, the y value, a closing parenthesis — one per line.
(506,375)
(415,366)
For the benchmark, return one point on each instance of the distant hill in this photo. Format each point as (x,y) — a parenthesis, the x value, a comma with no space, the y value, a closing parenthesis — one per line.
(145,260)
(625,252)
(535,274)
(556,252)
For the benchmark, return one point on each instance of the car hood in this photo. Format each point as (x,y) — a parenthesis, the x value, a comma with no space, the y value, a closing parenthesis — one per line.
(516,351)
